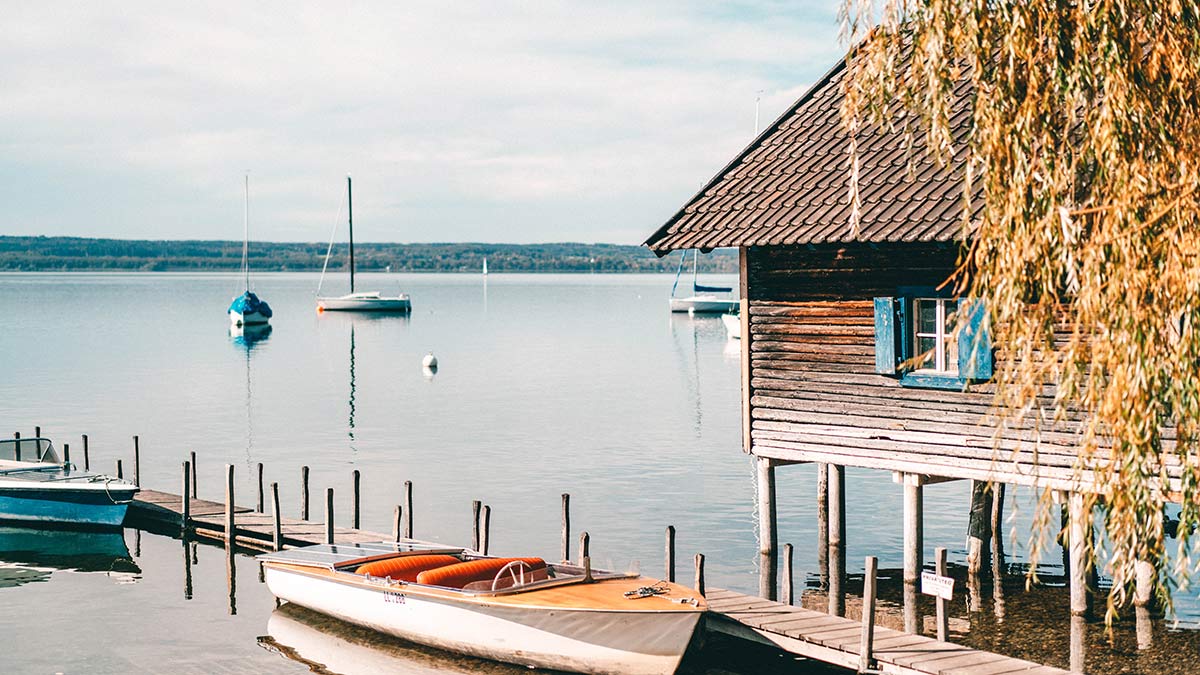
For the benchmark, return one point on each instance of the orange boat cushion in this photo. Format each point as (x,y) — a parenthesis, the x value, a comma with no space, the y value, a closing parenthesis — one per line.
(457,576)
(405,567)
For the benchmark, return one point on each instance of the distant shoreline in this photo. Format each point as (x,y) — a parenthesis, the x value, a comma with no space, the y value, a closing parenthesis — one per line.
(78,254)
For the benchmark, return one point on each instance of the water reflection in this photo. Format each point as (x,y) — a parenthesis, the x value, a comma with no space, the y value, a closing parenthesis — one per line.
(32,554)
(351,431)
(249,338)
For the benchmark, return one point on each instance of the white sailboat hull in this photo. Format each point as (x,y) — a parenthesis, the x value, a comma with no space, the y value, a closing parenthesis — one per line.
(365,302)
(595,641)
(704,304)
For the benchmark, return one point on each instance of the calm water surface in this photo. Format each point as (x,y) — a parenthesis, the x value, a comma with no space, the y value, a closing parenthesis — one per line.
(547,384)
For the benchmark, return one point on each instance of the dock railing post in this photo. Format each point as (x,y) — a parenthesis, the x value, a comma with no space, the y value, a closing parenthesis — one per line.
(943,618)
(260,507)
(476,512)
(186,510)
(328,515)
(487,527)
(408,509)
(230,531)
(670,554)
(787,588)
(566,527)
(396,523)
(120,470)
(137,462)
(304,512)
(194,495)
(278,531)
(700,574)
(585,545)
(356,499)
(87,461)
(868,615)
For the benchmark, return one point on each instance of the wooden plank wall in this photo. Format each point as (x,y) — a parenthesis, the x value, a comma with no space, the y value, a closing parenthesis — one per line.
(814,394)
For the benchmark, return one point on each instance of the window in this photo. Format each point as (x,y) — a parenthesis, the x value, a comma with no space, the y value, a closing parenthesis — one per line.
(918,339)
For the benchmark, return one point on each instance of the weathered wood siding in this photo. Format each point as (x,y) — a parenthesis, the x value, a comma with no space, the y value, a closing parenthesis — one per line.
(813,391)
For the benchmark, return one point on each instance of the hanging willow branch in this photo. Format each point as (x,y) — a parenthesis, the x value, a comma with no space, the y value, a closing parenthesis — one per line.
(1081,208)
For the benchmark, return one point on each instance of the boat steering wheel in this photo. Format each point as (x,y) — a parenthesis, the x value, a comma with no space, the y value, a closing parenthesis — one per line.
(512,568)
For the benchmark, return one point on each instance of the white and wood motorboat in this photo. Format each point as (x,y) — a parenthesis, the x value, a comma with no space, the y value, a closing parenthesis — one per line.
(704,299)
(371,301)
(37,487)
(517,610)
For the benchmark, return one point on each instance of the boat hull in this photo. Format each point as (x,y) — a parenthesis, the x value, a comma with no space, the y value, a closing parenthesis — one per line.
(83,505)
(704,305)
(581,640)
(733,325)
(350,304)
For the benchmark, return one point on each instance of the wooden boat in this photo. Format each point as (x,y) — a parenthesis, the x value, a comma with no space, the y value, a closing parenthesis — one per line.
(370,301)
(37,487)
(517,610)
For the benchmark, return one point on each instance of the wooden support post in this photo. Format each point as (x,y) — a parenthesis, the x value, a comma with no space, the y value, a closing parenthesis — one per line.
(230,528)
(566,527)
(1080,526)
(837,534)
(943,617)
(37,433)
(120,470)
(788,588)
(328,515)
(585,542)
(700,574)
(669,555)
(66,458)
(979,535)
(767,536)
(396,522)
(476,512)
(1143,598)
(304,512)
(914,546)
(87,461)
(867,642)
(194,494)
(355,499)
(277,540)
(408,509)
(487,529)
(17,445)
(260,506)
(137,462)
(186,510)
(823,525)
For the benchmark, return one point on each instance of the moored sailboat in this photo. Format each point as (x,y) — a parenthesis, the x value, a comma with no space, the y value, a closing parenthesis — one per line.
(371,301)
(704,299)
(247,309)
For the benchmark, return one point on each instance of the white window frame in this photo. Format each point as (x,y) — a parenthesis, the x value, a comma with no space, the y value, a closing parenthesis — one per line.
(941,337)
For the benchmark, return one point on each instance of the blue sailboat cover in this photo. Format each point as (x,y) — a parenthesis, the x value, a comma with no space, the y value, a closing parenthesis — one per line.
(247,303)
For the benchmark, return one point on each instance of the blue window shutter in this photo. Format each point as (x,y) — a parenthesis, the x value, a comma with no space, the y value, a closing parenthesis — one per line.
(974,342)
(887,356)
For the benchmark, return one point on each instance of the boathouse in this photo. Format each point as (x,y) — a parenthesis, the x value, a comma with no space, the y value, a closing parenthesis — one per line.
(848,357)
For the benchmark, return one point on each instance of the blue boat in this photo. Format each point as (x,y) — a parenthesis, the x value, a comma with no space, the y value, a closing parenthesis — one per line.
(37,487)
(247,309)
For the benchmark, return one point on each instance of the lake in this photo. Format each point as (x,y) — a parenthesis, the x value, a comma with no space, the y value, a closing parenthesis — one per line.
(547,384)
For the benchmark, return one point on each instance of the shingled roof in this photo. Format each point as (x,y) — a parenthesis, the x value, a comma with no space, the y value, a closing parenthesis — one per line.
(791,185)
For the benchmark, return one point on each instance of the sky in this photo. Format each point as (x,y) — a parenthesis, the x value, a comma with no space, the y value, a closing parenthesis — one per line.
(463,121)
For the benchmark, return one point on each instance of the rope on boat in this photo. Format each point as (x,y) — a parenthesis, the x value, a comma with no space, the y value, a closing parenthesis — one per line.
(658,588)
(108,480)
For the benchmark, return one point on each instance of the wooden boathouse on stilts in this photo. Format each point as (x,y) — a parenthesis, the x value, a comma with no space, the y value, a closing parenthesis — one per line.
(833,318)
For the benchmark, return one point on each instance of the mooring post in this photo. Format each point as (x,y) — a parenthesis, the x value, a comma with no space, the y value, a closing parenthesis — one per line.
(823,525)
(866,643)
(87,462)
(700,574)
(943,618)
(355,499)
(788,589)
(230,533)
(194,495)
(767,536)
(837,535)
(278,531)
(408,509)
(304,512)
(476,512)
(186,510)
(566,527)
(1080,525)
(670,554)
(328,515)
(66,454)
(120,470)
(585,542)
(17,445)
(914,546)
(259,506)
(487,526)
(396,524)
(37,432)
(137,463)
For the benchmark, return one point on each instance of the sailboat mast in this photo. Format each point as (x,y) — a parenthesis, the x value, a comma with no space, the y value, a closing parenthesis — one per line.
(350,215)
(695,268)
(246,235)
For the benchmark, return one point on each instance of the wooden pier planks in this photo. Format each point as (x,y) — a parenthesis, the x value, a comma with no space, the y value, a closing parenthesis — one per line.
(835,640)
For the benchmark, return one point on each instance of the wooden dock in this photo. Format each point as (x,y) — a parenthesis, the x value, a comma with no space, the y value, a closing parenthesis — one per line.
(835,640)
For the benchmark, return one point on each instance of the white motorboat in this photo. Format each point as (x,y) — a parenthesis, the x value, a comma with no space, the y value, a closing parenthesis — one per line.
(516,610)
(704,299)
(247,309)
(38,487)
(733,325)
(372,301)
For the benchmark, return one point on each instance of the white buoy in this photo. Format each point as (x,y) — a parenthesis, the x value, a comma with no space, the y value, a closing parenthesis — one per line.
(430,361)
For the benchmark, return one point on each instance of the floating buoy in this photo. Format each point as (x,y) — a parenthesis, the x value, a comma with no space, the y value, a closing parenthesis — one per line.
(430,361)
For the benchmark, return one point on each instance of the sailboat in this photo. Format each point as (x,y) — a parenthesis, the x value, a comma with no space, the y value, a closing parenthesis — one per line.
(371,301)
(247,309)
(704,299)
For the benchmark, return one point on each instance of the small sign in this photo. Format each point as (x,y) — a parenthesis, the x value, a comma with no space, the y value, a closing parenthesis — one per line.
(932,584)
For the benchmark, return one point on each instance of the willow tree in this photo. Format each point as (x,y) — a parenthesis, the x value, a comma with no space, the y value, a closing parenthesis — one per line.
(1081,171)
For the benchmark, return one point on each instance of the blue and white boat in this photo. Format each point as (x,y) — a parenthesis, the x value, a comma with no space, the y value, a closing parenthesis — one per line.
(37,487)
(247,309)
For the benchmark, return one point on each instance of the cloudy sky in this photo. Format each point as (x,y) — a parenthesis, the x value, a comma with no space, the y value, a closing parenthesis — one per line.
(460,121)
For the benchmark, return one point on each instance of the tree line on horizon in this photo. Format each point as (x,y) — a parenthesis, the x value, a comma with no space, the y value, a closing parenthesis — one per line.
(52,254)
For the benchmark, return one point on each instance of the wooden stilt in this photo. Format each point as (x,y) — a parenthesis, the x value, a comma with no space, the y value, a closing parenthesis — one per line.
(260,506)
(328,515)
(230,530)
(396,523)
(304,512)
(193,455)
(87,461)
(823,525)
(700,574)
(767,536)
(137,462)
(66,458)
(867,641)
(277,539)
(943,616)
(408,509)
(355,499)
(914,546)
(837,534)
(787,587)
(566,527)
(186,510)
(476,512)
(998,551)
(487,527)
(669,555)
(585,545)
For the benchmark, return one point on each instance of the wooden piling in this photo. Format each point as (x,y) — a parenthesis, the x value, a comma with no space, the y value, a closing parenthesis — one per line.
(186,510)
(230,534)
(408,509)
(699,583)
(566,527)
(767,535)
(355,499)
(277,539)
(866,643)
(194,495)
(585,545)
(979,535)
(37,432)
(787,588)
(396,523)
(823,525)
(669,555)
(943,617)
(120,470)
(837,534)
(87,461)
(998,551)
(487,526)
(17,445)
(914,546)
(137,462)
(304,512)
(259,506)
(66,458)
(476,511)
(328,515)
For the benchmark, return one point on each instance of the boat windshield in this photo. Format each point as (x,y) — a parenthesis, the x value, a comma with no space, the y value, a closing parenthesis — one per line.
(28,450)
